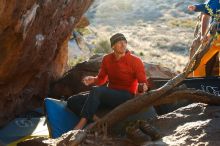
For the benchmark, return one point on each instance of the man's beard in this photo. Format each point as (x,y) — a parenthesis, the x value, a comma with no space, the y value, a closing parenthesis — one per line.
(122,52)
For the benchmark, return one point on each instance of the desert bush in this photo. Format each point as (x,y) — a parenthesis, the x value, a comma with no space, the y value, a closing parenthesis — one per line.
(102,46)
(141,54)
(73,61)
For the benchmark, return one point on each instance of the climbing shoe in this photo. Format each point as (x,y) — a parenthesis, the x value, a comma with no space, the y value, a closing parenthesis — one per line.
(136,135)
(149,130)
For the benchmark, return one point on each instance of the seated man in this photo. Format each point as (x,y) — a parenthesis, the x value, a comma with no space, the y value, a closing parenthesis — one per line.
(122,70)
(210,9)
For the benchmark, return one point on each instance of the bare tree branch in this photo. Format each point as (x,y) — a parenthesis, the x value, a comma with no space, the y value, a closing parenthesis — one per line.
(189,94)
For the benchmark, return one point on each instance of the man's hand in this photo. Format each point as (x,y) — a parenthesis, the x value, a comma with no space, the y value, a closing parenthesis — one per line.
(204,39)
(191,8)
(88,80)
(142,87)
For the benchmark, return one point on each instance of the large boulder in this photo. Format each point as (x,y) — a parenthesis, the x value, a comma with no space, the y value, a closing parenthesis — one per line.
(71,82)
(195,124)
(33,45)
(157,71)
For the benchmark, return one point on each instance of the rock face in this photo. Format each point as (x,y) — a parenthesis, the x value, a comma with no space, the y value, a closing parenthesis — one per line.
(195,124)
(33,46)
(157,71)
(71,83)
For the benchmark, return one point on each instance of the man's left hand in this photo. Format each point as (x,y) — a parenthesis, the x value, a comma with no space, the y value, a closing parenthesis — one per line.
(142,87)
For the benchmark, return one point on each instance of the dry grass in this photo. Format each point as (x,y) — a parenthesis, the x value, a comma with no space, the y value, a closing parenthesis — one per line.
(186,23)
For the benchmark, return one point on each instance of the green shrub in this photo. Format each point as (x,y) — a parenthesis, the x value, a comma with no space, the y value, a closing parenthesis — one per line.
(102,46)
(73,61)
(141,54)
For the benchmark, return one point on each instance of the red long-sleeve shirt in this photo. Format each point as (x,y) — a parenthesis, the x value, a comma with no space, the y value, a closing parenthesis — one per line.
(122,74)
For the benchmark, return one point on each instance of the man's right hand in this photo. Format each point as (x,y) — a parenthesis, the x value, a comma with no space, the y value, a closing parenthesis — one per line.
(142,87)
(88,80)
(204,39)
(191,8)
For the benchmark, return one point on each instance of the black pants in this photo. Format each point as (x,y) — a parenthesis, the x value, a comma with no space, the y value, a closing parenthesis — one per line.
(86,105)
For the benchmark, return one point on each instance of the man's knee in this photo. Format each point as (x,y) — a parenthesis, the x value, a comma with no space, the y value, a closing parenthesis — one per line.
(97,91)
(75,102)
(96,94)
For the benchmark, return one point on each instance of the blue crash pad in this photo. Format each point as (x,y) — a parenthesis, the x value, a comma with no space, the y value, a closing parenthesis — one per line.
(59,118)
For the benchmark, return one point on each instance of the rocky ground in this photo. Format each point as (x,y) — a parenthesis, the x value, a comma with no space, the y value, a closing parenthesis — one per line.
(194,125)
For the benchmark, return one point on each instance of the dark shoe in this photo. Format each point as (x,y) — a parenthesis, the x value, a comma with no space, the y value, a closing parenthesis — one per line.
(149,130)
(136,135)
